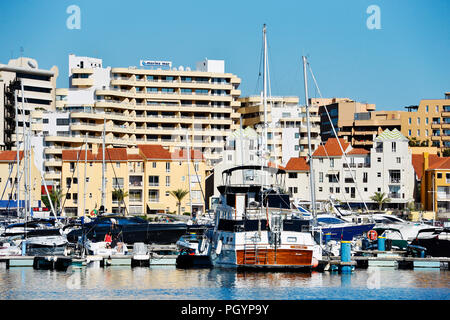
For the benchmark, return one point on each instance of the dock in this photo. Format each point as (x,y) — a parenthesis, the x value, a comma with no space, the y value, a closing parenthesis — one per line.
(393,259)
(159,255)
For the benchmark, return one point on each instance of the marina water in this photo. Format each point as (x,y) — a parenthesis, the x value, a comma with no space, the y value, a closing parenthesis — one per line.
(170,283)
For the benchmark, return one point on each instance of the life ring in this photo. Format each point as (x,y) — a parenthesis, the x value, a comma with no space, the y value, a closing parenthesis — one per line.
(372,235)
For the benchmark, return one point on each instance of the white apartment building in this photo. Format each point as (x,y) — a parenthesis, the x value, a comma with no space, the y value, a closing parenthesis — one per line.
(354,178)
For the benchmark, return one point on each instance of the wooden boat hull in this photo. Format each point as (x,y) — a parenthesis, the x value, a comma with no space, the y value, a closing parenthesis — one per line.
(274,258)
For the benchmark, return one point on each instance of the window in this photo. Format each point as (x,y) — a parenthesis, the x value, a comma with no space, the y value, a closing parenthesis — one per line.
(426,120)
(394,176)
(292,175)
(409,121)
(418,120)
(62,122)
(379,174)
(297,135)
(399,160)
(153,195)
(332,163)
(117,183)
(394,146)
(426,108)
(331,189)
(418,132)
(153,181)
(409,132)
(320,176)
(439,175)
(338,190)
(118,165)
(437,108)
(378,159)
(167,166)
(320,189)
(154,165)
(167,181)
(365,177)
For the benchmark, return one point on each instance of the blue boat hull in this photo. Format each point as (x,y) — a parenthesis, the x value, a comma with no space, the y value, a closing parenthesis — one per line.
(346,233)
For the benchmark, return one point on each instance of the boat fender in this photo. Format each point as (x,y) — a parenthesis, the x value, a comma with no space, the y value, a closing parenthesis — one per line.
(219,247)
(315,262)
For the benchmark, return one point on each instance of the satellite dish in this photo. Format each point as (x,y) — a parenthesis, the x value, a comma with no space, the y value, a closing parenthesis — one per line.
(32,64)
(181,68)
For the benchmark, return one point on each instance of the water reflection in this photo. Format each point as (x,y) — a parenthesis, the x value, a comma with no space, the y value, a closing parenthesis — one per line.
(171,283)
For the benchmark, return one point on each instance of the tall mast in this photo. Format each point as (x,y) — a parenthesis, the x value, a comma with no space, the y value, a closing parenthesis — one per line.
(103,166)
(84,181)
(189,170)
(311,170)
(25,155)
(265,101)
(17,156)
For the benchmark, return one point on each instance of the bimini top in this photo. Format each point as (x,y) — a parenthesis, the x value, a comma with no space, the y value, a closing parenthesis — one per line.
(254,167)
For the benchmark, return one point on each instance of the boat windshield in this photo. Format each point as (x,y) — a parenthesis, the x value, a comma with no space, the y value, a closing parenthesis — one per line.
(120,220)
(329,220)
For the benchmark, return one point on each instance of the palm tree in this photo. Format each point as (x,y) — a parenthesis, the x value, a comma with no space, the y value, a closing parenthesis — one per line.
(380,198)
(56,196)
(120,195)
(179,194)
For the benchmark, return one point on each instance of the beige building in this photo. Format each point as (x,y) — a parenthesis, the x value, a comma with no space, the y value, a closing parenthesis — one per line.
(8,181)
(287,130)
(429,123)
(146,174)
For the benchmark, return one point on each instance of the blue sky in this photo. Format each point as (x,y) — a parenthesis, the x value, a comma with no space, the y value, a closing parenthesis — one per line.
(407,60)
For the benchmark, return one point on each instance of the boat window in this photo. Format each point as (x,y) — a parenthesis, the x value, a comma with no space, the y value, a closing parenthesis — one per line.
(291,239)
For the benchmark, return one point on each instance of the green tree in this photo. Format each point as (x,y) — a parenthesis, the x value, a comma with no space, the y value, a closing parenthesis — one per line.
(120,195)
(380,198)
(179,194)
(56,196)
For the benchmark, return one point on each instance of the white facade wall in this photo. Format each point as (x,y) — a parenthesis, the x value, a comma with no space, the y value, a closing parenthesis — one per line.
(374,172)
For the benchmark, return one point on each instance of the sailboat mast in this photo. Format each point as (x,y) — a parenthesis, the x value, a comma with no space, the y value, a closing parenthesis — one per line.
(25,155)
(189,170)
(103,165)
(17,156)
(84,181)
(311,170)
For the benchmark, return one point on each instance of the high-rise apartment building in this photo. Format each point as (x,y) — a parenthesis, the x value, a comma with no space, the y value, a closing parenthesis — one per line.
(39,89)
(287,131)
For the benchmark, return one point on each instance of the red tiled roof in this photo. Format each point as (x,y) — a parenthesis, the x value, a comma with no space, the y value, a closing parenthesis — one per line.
(297,164)
(74,155)
(417,162)
(442,163)
(135,157)
(112,154)
(9,156)
(358,151)
(154,151)
(331,148)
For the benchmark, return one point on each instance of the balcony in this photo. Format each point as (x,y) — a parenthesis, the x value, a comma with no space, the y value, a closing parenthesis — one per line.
(394,195)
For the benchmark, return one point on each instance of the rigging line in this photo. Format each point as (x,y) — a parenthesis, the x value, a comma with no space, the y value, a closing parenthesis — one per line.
(114,171)
(9,176)
(13,188)
(259,69)
(199,183)
(71,180)
(339,142)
